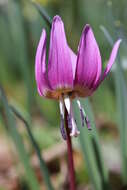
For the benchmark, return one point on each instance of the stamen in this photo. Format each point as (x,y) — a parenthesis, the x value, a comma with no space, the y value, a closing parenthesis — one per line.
(84,117)
(74,132)
(61,105)
(88,123)
(82,113)
(69,121)
(62,129)
(67,104)
(68,107)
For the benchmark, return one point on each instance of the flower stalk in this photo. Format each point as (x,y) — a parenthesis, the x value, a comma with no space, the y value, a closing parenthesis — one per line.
(70,155)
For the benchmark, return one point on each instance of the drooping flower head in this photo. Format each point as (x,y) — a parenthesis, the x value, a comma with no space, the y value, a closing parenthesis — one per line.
(68,75)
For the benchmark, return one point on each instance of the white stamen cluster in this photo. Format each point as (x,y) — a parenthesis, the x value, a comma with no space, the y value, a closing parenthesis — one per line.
(68,104)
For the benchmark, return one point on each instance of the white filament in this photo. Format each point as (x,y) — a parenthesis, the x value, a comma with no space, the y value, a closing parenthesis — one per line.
(79,104)
(80,107)
(61,105)
(74,132)
(68,104)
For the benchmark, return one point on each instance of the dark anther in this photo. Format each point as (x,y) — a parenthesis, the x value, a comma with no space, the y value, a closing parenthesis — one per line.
(88,123)
(62,129)
(82,116)
(69,121)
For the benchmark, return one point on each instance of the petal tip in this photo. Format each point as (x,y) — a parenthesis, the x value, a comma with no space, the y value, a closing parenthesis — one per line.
(43,34)
(57,18)
(87,31)
(111,59)
(119,41)
(87,27)
(43,31)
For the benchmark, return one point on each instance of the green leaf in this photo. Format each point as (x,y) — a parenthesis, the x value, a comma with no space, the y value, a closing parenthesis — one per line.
(91,149)
(20,50)
(12,130)
(121,95)
(43,13)
(43,167)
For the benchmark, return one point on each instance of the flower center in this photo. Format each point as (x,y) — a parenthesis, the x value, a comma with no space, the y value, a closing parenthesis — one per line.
(65,102)
(84,117)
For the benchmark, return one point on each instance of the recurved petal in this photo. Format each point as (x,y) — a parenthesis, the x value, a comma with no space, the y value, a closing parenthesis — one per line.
(40,66)
(88,67)
(60,73)
(111,59)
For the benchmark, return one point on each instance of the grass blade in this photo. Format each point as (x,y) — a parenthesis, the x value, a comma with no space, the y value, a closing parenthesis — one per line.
(43,167)
(121,94)
(20,53)
(12,129)
(42,12)
(96,144)
(91,150)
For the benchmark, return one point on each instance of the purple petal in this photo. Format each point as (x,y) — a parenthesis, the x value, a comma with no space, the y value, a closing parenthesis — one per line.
(73,61)
(111,59)
(99,70)
(60,72)
(40,66)
(89,60)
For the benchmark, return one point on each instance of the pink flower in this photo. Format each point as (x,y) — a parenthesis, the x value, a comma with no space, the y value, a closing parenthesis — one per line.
(68,75)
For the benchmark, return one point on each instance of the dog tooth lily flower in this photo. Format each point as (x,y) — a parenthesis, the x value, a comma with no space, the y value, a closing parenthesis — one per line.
(68,75)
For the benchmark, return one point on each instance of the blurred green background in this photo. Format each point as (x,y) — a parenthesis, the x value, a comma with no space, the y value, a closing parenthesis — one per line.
(20,29)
